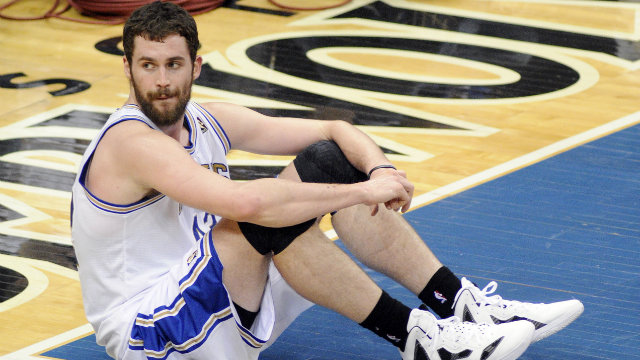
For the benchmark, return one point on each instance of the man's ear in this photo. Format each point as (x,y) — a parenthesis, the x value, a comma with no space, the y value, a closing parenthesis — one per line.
(127,67)
(197,66)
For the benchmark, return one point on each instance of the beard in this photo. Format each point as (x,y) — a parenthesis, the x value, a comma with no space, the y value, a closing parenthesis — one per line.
(163,117)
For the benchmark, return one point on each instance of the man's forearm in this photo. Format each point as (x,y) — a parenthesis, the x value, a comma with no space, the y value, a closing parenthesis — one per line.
(361,151)
(280,202)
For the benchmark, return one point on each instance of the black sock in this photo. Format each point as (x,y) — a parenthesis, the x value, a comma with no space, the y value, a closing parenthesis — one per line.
(389,319)
(246,317)
(441,291)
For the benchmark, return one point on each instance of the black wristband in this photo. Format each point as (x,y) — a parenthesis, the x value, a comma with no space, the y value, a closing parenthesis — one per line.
(384,166)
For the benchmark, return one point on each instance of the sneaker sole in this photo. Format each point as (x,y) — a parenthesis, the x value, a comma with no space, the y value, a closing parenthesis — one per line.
(517,336)
(559,324)
(513,355)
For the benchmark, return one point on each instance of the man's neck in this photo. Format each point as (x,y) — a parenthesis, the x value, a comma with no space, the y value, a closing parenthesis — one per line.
(177,131)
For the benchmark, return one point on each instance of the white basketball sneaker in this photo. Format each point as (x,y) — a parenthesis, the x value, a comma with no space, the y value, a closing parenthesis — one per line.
(475,305)
(432,339)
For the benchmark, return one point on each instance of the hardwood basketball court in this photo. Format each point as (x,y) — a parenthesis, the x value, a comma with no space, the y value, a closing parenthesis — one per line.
(459,93)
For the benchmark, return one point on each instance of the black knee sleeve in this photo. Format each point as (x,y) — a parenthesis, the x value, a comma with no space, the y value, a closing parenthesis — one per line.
(324,162)
(267,239)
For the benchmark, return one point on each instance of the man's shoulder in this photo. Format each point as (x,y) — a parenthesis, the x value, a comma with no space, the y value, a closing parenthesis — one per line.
(128,137)
(216,107)
(129,112)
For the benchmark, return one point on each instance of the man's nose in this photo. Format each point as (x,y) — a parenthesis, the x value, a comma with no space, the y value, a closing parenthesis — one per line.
(163,78)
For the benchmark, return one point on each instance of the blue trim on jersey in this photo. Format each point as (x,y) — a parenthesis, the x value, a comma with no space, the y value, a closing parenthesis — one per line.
(186,323)
(191,129)
(197,233)
(226,143)
(122,209)
(195,228)
(71,212)
(83,173)
(105,205)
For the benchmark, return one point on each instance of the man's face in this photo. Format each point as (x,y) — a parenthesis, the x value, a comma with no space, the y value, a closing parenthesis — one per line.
(161,74)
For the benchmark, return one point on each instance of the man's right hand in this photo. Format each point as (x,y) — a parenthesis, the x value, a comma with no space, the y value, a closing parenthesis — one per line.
(390,187)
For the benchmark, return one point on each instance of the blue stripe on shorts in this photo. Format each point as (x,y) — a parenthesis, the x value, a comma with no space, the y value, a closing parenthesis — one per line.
(186,323)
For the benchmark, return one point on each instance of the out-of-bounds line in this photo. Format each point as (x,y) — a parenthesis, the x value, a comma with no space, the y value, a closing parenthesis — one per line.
(31,352)
(525,160)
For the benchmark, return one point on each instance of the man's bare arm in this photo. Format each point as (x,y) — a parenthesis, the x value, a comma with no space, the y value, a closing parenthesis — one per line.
(142,160)
(251,131)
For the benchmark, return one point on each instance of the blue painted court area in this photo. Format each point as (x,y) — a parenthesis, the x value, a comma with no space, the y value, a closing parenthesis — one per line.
(567,227)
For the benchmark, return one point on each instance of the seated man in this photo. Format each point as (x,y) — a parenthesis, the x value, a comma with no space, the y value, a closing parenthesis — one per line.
(178,261)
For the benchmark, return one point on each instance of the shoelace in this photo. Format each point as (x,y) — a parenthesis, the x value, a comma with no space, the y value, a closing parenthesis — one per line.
(482,296)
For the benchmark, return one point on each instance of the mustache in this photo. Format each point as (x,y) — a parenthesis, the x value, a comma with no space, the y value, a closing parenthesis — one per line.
(165,92)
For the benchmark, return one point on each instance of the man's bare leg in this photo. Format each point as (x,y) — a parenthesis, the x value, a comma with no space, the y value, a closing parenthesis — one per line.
(388,244)
(312,265)
(384,242)
(245,270)
(321,272)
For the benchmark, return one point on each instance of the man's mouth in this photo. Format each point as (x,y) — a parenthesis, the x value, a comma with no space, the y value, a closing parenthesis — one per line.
(163,97)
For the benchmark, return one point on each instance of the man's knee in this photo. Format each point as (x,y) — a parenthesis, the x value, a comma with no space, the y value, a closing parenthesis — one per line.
(324,162)
(267,239)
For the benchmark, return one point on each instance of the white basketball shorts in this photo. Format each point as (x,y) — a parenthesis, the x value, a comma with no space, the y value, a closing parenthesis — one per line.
(189,314)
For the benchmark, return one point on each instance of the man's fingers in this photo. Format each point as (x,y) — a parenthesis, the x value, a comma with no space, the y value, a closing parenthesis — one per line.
(406,206)
(394,191)
(395,204)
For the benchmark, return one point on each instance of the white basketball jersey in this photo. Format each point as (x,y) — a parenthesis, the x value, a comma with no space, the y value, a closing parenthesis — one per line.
(123,250)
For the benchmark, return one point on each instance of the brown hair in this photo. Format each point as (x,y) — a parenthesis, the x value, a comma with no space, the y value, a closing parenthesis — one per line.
(158,20)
